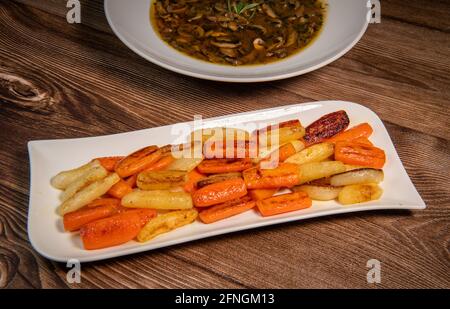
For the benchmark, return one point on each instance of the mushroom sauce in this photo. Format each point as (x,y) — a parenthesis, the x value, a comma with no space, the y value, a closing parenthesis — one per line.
(238,32)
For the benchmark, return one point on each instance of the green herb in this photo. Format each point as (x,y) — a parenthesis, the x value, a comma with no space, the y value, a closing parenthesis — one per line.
(241,7)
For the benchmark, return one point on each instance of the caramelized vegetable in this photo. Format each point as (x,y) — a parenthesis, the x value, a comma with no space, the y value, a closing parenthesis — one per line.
(138,161)
(326,127)
(216,166)
(285,175)
(226,210)
(360,154)
(283,203)
(361,130)
(219,192)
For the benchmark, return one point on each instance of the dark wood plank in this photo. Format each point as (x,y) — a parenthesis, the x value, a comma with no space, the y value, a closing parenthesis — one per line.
(59,80)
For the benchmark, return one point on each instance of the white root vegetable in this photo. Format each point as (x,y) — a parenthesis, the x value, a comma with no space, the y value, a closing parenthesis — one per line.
(63,179)
(158,199)
(91,175)
(319,193)
(358,176)
(314,153)
(354,194)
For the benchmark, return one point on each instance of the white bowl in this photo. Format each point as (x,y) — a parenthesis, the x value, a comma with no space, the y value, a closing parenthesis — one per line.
(345,24)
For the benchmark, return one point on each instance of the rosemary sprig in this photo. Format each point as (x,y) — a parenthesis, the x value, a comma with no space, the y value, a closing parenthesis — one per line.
(242,6)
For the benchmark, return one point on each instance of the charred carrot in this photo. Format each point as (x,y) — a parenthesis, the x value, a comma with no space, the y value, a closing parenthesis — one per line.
(109,163)
(219,192)
(162,163)
(226,210)
(75,220)
(138,161)
(120,189)
(192,178)
(218,166)
(283,203)
(285,175)
(115,230)
(359,154)
(261,194)
(361,130)
(326,127)
(103,201)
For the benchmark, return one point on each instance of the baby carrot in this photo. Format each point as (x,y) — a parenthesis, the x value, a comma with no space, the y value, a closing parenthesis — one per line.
(192,178)
(359,154)
(115,230)
(361,130)
(283,203)
(226,210)
(109,162)
(219,166)
(362,140)
(285,175)
(75,220)
(138,161)
(261,194)
(120,189)
(161,164)
(219,192)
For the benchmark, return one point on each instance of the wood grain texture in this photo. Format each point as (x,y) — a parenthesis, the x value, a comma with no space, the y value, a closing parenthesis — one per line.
(59,80)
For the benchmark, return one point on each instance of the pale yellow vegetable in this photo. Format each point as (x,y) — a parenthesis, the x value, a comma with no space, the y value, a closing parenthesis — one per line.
(349,167)
(315,153)
(319,193)
(354,194)
(88,194)
(219,134)
(358,176)
(185,164)
(160,180)
(265,152)
(158,199)
(65,178)
(317,170)
(280,136)
(167,222)
(91,175)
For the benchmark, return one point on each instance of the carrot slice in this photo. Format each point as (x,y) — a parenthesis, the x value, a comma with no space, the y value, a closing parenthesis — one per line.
(284,203)
(161,164)
(218,166)
(261,194)
(226,210)
(192,178)
(361,130)
(115,230)
(75,220)
(219,192)
(120,189)
(359,154)
(109,163)
(138,161)
(285,175)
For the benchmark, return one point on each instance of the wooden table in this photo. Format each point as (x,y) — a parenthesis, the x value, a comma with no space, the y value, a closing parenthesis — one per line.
(59,80)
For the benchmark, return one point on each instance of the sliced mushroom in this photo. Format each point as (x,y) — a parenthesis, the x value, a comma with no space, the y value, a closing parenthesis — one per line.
(279,41)
(230,52)
(268,10)
(292,37)
(225,44)
(259,27)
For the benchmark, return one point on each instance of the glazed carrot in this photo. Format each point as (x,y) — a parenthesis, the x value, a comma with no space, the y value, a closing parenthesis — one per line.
(261,194)
(115,230)
(285,175)
(120,189)
(75,220)
(226,210)
(283,203)
(131,181)
(161,164)
(359,154)
(218,166)
(219,192)
(192,178)
(138,161)
(362,140)
(109,163)
(103,201)
(361,130)
(326,127)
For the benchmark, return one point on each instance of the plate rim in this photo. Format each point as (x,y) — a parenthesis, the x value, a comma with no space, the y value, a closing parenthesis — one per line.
(226,230)
(231,79)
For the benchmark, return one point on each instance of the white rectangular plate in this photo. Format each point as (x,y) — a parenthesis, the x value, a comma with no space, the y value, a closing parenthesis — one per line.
(48,157)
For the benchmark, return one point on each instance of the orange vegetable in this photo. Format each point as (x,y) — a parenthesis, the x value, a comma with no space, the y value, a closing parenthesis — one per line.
(226,210)
(138,161)
(75,220)
(361,130)
(219,192)
(131,181)
(285,175)
(281,154)
(229,150)
(115,230)
(109,163)
(161,164)
(283,203)
(261,194)
(362,140)
(120,189)
(218,166)
(359,154)
(192,178)
(103,201)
